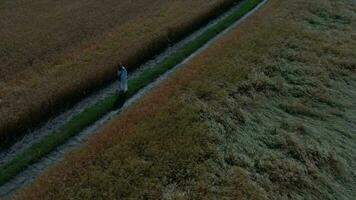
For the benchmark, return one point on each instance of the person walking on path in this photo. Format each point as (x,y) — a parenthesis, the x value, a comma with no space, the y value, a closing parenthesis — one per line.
(122,73)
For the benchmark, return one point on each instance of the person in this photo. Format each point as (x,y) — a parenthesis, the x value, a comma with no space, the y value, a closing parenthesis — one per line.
(122,73)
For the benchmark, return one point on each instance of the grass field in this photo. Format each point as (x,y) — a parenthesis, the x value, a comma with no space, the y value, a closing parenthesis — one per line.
(54,52)
(266,113)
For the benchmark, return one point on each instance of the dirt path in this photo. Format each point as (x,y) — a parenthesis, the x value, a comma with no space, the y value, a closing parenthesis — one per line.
(56,123)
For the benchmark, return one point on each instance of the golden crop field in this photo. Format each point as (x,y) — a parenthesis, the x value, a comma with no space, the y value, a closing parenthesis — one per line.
(267,112)
(54,52)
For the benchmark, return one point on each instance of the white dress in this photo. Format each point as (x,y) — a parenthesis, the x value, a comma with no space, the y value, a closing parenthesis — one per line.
(123,80)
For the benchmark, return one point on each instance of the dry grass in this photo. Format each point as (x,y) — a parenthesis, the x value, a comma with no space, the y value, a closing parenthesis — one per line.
(52,53)
(222,127)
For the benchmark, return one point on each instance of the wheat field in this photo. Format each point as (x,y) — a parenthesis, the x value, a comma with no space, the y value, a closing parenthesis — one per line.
(267,112)
(54,52)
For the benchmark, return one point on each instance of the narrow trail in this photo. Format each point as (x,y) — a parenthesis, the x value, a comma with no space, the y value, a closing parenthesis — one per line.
(33,171)
(57,122)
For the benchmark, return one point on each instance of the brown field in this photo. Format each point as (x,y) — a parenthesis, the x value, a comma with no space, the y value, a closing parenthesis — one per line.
(53,52)
(268,112)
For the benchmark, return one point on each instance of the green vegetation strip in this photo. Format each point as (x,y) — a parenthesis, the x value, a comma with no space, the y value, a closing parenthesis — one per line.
(95,112)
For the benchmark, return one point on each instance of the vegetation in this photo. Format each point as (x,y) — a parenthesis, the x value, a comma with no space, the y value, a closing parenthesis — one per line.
(93,113)
(53,53)
(268,112)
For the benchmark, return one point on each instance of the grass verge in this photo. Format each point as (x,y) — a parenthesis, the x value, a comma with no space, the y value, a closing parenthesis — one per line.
(95,112)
